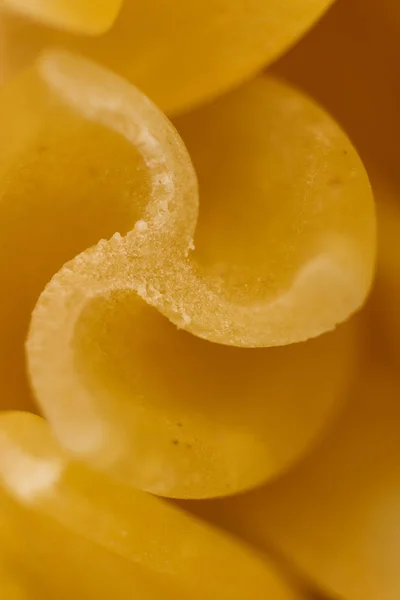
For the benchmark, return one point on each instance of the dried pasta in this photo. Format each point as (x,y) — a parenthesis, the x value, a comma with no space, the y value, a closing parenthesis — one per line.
(80,524)
(336,517)
(177,297)
(309,283)
(179,53)
(79,16)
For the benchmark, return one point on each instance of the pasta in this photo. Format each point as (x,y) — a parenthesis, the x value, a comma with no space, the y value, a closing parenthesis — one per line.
(332,256)
(366,105)
(79,16)
(189,407)
(80,524)
(11,586)
(336,516)
(179,53)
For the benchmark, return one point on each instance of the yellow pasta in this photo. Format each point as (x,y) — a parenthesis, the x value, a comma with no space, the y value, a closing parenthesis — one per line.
(190,419)
(79,534)
(336,517)
(179,53)
(80,16)
(348,62)
(304,263)
(11,586)
(175,297)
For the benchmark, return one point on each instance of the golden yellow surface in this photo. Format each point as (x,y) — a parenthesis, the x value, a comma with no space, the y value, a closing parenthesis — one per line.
(90,17)
(336,516)
(90,156)
(64,526)
(190,418)
(281,199)
(189,353)
(12,585)
(179,53)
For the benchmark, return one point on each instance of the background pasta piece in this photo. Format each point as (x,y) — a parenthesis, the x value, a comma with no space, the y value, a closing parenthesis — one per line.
(336,516)
(68,524)
(56,562)
(179,53)
(13,586)
(80,16)
(353,37)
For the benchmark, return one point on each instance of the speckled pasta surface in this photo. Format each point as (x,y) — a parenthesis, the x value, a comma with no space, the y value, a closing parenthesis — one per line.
(296,260)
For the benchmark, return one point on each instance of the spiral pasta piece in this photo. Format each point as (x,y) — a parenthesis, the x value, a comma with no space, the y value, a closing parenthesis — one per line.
(336,516)
(63,523)
(201,348)
(81,348)
(179,53)
(79,16)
